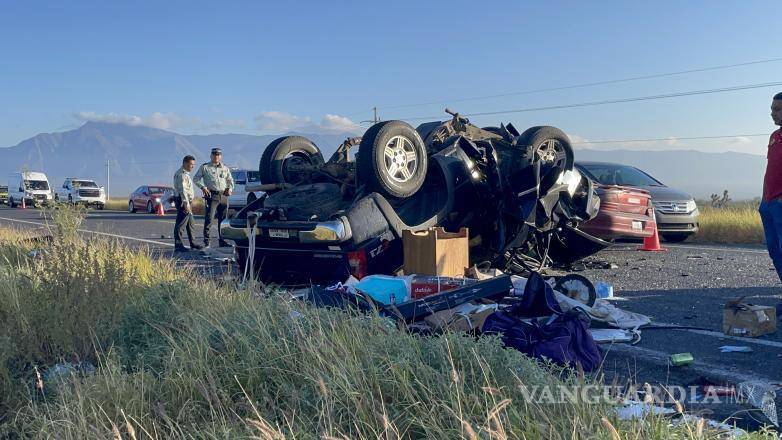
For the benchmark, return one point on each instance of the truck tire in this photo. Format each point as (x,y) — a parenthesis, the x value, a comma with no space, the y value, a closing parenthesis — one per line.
(549,145)
(285,152)
(392,159)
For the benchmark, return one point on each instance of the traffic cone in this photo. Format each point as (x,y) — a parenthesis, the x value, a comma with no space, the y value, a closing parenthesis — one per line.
(160,211)
(24,206)
(652,244)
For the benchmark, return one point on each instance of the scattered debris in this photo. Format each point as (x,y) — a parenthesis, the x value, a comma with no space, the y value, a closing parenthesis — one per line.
(761,395)
(681,359)
(611,335)
(63,371)
(639,410)
(742,319)
(604,289)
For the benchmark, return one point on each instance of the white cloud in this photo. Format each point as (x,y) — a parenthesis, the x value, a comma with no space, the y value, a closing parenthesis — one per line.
(280,121)
(163,121)
(337,123)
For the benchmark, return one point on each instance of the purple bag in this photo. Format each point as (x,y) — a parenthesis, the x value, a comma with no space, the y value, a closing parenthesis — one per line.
(565,339)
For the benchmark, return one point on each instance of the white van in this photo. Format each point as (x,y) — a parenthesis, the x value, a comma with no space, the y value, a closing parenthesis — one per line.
(240,196)
(30,186)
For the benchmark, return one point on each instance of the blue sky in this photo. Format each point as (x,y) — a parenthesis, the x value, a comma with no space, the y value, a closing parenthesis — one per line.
(263,67)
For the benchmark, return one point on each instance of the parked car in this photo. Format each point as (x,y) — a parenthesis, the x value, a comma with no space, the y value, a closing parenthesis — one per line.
(518,193)
(30,186)
(241,197)
(676,212)
(625,211)
(147,197)
(81,191)
(3,194)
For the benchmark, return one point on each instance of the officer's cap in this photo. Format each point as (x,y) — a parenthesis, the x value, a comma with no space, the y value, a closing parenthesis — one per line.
(216,151)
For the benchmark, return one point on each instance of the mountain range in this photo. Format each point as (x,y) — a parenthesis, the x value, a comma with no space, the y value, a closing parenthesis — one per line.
(139,155)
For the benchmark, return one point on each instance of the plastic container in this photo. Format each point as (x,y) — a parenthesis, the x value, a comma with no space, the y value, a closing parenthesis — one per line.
(604,290)
(385,289)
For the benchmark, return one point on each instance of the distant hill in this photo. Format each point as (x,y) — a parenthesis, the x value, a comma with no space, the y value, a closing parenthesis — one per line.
(137,155)
(140,155)
(696,172)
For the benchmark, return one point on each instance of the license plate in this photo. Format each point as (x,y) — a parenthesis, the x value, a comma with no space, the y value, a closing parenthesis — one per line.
(638,226)
(279,233)
(634,200)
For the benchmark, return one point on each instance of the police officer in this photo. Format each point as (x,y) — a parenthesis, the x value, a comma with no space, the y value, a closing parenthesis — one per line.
(183,199)
(215,180)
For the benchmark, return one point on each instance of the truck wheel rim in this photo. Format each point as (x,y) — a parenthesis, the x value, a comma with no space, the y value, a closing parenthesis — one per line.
(551,152)
(400,159)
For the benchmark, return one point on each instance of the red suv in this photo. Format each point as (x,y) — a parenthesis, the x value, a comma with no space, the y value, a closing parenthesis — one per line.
(147,198)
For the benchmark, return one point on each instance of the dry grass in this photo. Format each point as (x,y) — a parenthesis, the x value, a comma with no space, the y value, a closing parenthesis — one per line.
(183,359)
(739,223)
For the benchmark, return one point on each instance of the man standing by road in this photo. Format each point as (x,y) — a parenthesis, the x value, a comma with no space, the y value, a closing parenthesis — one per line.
(215,180)
(183,199)
(771,205)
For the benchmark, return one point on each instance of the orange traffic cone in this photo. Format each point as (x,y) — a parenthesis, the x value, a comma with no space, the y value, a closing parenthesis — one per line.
(160,209)
(24,206)
(652,244)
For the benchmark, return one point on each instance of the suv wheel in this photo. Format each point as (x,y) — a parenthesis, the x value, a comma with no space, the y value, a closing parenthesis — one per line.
(131,207)
(548,145)
(150,208)
(284,159)
(392,159)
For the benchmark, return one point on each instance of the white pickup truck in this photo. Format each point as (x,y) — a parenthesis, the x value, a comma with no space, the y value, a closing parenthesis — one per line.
(81,191)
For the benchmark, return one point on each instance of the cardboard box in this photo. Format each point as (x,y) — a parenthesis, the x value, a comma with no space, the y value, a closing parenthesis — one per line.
(741,319)
(436,252)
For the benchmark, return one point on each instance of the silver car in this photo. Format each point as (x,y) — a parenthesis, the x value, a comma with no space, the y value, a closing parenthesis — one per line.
(675,210)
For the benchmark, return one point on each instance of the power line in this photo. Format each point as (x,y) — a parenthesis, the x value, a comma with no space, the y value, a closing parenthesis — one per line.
(589,84)
(678,138)
(610,101)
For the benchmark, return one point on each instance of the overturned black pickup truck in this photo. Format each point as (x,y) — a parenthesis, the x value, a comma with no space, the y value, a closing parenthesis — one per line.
(322,221)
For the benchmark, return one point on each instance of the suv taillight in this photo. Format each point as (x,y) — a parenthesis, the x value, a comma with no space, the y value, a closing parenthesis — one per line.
(358,263)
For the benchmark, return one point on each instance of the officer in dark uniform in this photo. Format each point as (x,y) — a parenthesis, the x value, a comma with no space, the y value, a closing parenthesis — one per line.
(216,182)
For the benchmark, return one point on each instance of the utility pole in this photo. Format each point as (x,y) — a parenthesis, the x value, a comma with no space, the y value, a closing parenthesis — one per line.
(374,109)
(108,179)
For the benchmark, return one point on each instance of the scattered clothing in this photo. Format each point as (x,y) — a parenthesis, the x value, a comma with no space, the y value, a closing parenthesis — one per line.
(563,338)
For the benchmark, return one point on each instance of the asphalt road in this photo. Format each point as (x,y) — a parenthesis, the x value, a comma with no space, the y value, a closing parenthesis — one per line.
(145,231)
(686,286)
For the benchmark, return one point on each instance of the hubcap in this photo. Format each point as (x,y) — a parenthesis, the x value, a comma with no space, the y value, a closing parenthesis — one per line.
(551,152)
(400,159)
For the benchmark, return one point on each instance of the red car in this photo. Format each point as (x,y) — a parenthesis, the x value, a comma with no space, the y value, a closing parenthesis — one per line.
(147,198)
(625,212)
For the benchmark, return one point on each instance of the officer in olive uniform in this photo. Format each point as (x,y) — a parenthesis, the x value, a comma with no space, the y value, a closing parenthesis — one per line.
(183,199)
(215,180)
